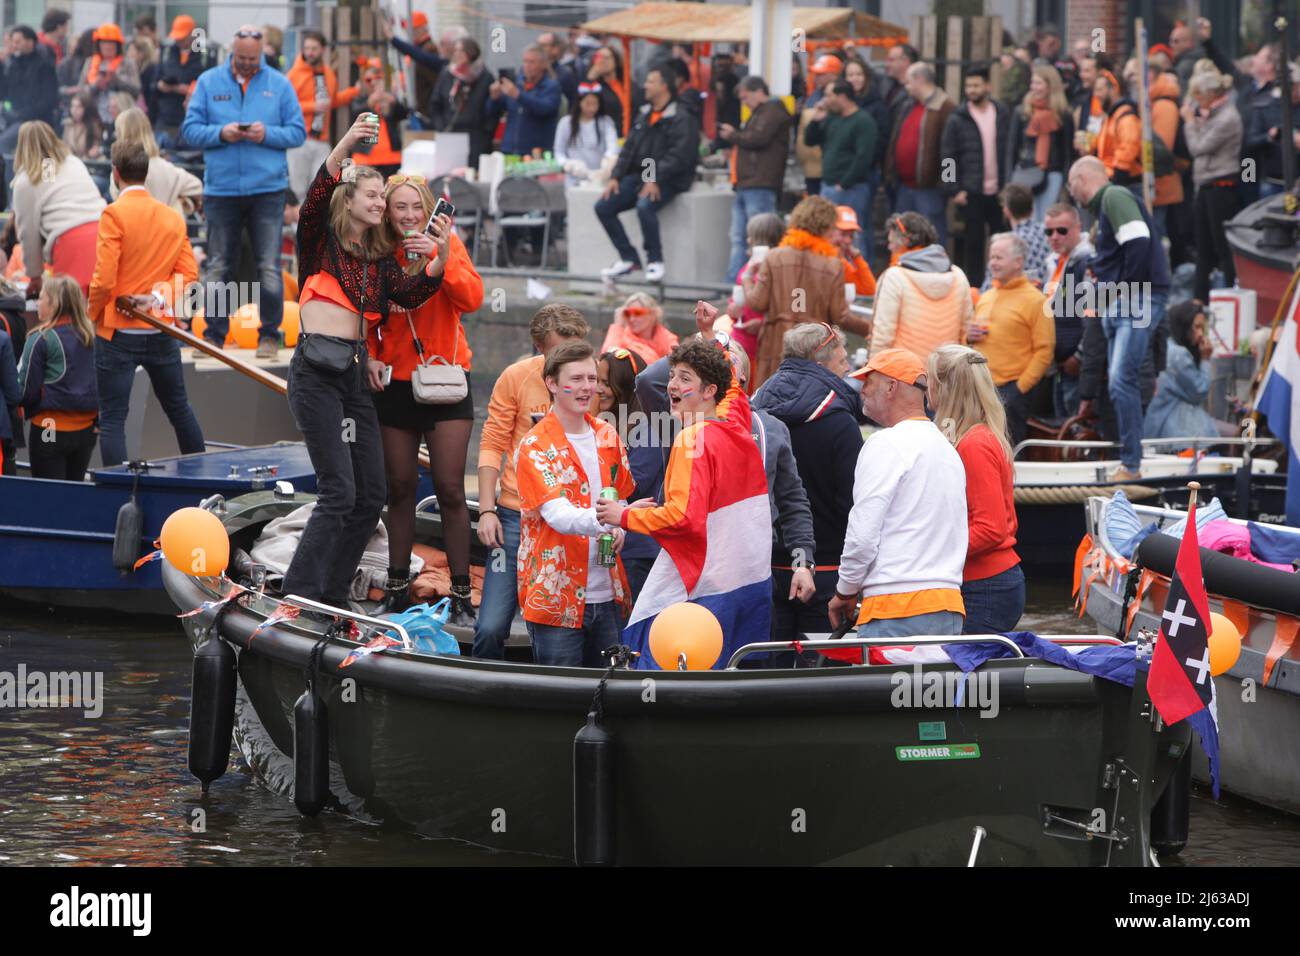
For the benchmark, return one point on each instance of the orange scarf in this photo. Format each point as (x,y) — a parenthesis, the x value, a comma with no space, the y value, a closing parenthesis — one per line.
(1042,124)
(92,72)
(802,239)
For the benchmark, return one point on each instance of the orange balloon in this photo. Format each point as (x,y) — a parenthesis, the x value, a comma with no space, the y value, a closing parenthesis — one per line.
(194,542)
(290,286)
(245,325)
(290,324)
(1225,644)
(198,323)
(689,629)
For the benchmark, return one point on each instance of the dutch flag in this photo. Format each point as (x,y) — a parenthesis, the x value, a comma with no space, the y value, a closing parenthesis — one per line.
(1279,403)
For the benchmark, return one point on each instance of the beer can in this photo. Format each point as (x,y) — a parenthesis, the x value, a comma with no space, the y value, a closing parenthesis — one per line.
(373,138)
(605,556)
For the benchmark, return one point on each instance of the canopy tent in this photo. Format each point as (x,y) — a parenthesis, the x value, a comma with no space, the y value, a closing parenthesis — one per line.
(727,23)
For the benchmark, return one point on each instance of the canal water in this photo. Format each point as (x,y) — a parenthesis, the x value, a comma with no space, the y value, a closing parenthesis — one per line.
(116,791)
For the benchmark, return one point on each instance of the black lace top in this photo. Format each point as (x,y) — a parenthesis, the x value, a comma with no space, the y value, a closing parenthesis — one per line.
(368,285)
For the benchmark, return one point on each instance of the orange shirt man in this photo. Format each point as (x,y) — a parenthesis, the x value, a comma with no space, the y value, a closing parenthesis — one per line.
(142,252)
(856,269)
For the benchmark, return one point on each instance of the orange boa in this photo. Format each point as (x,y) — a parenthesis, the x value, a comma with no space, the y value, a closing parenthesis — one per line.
(92,71)
(802,239)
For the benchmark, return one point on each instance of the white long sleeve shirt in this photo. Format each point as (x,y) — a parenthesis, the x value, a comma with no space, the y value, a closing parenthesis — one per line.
(567,518)
(907,529)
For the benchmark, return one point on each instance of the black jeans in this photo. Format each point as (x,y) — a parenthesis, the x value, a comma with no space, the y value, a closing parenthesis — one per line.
(336,416)
(1017,408)
(647,211)
(1215,205)
(983,217)
(65,457)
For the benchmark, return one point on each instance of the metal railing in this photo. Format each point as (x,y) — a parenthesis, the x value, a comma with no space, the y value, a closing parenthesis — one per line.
(376,622)
(831,643)
(1196,444)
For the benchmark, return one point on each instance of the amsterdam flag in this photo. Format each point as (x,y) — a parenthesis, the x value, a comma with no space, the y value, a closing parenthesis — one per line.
(1180,683)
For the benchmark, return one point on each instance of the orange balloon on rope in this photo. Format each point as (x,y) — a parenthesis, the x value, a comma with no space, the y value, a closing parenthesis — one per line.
(290,324)
(688,630)
(245,325)
(194,542)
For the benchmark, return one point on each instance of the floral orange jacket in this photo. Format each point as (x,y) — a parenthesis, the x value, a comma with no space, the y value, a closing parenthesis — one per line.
(553,566)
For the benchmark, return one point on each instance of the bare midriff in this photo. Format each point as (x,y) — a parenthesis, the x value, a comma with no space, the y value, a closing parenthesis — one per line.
(324,309)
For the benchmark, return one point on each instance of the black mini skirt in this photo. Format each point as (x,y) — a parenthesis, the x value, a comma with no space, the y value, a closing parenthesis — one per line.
(397,408)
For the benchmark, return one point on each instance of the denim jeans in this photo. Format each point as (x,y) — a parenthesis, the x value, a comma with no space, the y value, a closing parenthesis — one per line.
(602,627)
(745,205)
(336,416)
(262,215)
(941,623)
(1065,395)
(929,203)
(994,605)
(638,569)
(1266,188)
(500,601)
(1051,192)
(647,212)
(859,198)
(1016,404)
(1128,342)
(116,360)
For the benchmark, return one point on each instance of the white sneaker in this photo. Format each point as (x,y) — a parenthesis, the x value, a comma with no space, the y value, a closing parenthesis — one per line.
(654,272)
(621,267)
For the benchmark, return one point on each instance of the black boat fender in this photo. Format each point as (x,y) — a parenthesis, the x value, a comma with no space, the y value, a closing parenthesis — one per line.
(1226,576)
(1171,816)
(212,703)
(127,534)
(311,740)
(350,718)
(593,777)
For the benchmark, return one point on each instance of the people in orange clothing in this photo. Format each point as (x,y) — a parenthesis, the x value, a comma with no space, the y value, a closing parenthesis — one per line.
(519,401)
(1119,145)
(431,334)
(856,270)
(108,71)
(1165,99)
(573,603)
(639,326)
(142,252)
(56,379)
(924,301)
(316,86)
(385,155)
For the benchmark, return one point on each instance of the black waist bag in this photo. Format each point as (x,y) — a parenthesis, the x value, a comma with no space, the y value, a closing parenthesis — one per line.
(330,353)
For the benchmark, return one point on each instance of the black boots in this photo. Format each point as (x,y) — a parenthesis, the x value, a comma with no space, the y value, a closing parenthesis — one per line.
(462,609)
(397,594)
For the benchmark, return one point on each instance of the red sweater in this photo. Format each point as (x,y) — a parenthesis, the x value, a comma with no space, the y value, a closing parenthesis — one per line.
(909,145)
(990,505)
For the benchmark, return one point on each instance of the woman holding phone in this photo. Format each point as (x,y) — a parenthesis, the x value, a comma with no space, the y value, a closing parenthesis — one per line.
(349,278)
(408,338)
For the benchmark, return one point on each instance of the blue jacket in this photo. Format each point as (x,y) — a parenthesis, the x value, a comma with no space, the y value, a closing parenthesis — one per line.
(57,372)
(9,394)
(531,118)
(822,412)
(1178,408)
(244,168)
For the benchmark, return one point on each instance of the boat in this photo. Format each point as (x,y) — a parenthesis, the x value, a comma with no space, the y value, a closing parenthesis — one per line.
(59,538)
(1259,698)
(1050,495)
(735,766)
(1265,243)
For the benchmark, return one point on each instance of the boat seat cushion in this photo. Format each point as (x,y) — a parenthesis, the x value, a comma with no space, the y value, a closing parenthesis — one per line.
(1204,515)
(1124,528)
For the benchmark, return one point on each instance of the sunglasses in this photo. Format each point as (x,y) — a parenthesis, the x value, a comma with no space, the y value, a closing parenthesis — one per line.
(624,355)
(1057,231)
(403,178)
(248,35)
(635,310)
(830,337)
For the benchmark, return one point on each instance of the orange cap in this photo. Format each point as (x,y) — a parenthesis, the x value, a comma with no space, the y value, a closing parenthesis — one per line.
(899,364)
(182,27)
(827,64)
(419,19)
(109,31)
(846,219)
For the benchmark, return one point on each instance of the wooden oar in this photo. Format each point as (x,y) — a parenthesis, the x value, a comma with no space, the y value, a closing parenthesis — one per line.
(259,375)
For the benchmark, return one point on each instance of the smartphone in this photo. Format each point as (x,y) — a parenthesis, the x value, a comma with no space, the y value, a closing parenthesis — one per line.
(507,74)
(386,377)
(245,126)
(441,208)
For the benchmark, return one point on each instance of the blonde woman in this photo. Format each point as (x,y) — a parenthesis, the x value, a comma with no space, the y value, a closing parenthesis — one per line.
(349,279)
(968,411)
(1042,130)
(56,206)
(1213,129)
(56,378)
(639,326)
(167,182)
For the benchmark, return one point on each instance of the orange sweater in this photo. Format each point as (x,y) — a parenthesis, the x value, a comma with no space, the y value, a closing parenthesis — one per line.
(1164,123)
(651,350)
(142,248)
(1021,333)
(518,396)
(303,79)
(1119,145)
(990,505)
(859,273)
(437,322)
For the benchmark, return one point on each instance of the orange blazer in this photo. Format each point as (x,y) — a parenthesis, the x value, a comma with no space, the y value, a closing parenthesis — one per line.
(142,248)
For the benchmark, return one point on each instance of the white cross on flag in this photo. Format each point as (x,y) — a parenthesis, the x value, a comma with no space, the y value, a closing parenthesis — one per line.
(1180,683)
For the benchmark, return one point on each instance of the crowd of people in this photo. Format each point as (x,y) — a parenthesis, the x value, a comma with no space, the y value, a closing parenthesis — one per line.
(970,335)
